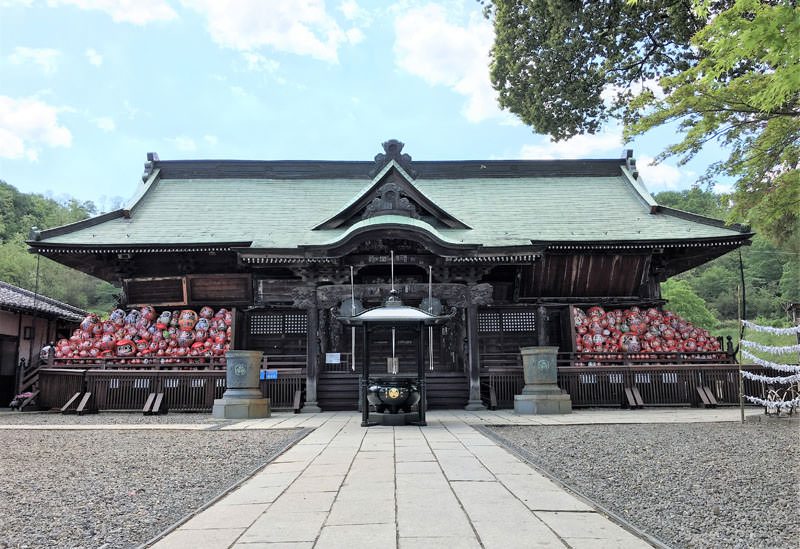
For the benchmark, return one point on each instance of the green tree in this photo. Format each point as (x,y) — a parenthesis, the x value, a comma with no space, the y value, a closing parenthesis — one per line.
(554,62)
(768,270)
(683,301)
(727,70)
(745,93)
(18,213)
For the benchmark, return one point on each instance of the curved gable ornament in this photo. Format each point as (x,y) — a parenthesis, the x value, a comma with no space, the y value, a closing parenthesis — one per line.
(390,199)
(393,150)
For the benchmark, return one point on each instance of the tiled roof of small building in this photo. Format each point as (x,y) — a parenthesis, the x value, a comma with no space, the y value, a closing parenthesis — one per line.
(16,299)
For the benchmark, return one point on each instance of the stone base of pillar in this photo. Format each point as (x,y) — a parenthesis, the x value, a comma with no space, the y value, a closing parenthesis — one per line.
(543,403)
(474,406)
(310,407)
(241,408)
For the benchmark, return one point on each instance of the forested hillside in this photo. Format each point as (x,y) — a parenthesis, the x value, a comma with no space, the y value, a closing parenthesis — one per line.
(18,213)
(771,275)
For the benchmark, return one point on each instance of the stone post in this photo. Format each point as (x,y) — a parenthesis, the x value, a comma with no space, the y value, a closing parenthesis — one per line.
(541,394)
(242,398)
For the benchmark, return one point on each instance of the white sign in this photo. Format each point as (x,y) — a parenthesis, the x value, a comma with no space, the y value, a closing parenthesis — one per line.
(333,358)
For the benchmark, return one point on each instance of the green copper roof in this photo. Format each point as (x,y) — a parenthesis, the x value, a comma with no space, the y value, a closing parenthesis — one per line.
(508,207)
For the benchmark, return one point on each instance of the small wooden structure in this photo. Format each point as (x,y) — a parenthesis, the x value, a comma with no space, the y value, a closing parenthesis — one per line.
(28,322)
(512,246)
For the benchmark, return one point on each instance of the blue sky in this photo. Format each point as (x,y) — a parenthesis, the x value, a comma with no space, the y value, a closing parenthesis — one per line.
(88,87)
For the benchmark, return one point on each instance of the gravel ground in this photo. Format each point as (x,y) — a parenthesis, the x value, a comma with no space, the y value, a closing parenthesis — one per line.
(112,488)
(105,418)
(688,485)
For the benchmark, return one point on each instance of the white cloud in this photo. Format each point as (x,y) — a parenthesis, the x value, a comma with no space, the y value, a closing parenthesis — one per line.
(661,176)
(579,146)
(138,12)
(94,58)
(257,62)
(105,123)
(355,36)
(350,9)
(302,27)
(27,123)
(211,139)
(428,45)
(184,143)
(45,58)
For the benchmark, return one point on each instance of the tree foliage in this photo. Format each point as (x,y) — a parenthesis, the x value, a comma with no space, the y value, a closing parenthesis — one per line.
(18,213)
(727,71)
(745,93)
(555,62)
(771,273)
(686,303)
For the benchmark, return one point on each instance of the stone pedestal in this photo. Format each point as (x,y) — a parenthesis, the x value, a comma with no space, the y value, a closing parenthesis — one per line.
(242,398)
(541,394)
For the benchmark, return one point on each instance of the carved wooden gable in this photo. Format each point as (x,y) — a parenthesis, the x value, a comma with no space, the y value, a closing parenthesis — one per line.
(393,193)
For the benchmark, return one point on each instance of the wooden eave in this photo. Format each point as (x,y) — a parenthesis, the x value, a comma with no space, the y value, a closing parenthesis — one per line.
(643,245)
(47,248)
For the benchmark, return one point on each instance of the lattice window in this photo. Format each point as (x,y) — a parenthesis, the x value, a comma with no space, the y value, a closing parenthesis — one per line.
(141,383)
(296,323)
(670,378)
(488,322)
(113,384)
(266,324)
(519,322)
(615,378)
(170,383)
(198,382)
(278,323)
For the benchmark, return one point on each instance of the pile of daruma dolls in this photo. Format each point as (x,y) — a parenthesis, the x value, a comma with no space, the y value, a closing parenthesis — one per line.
(639,333)
(143,336)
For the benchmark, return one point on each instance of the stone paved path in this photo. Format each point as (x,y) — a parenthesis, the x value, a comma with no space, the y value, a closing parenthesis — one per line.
(444,485)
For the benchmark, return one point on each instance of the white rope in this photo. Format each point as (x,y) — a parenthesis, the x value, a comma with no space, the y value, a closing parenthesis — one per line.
(771,330)
(775,350)
(769,364)
(773,404)
(766,379)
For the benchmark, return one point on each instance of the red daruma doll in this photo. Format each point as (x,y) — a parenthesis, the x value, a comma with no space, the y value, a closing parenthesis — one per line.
(187,320)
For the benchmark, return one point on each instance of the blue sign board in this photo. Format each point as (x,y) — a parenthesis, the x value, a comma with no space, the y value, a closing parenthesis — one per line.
(269,374)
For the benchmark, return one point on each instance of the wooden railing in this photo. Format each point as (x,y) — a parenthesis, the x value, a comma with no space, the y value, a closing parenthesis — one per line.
(651,358)
(184,390)
(268,362)
(661,385)
(491,361)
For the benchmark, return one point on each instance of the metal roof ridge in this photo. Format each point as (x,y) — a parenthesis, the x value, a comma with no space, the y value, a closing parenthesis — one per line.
(705,220)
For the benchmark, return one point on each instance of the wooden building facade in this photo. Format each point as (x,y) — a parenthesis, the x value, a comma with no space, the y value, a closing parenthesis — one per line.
(28,322)
(510,244)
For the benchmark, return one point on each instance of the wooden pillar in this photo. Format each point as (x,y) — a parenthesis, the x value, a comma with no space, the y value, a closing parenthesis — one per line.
(474,402)
(312,360)
(364,381)
(423,390)
(541,326)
